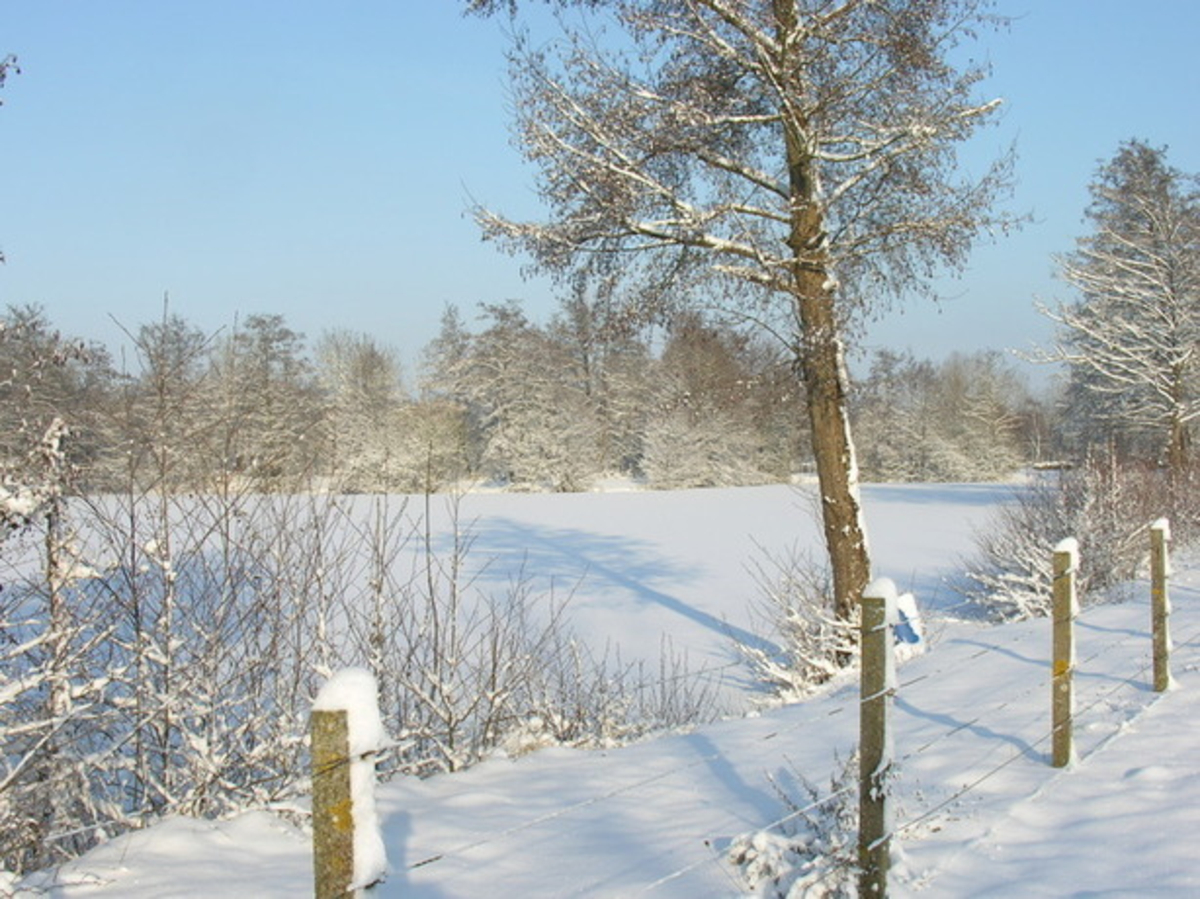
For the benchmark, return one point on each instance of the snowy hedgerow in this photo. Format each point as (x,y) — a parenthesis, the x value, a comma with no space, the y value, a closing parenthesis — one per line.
(1106,506)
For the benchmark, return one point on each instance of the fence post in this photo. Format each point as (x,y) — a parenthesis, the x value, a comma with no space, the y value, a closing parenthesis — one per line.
(1160,602)
(332,809)
(874,750)
(1065,608)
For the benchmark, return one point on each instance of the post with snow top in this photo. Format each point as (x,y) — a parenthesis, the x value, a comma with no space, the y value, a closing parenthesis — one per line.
(878,679)
(348,851)
(1160,602)
(1065,609)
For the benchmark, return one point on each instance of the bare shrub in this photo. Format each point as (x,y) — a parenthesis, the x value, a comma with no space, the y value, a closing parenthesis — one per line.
(812,850)
(160,653)
(810,644)
(464,672)
(592,701)
(1107,506)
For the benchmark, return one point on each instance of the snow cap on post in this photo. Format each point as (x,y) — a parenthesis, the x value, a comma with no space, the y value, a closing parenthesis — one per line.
(1070,546)
(1164,526)
(883,588)
(354,691)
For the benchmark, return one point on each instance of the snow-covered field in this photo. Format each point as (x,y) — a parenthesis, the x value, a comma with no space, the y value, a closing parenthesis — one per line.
(979,810)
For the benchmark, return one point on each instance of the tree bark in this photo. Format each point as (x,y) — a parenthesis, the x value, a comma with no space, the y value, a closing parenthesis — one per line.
(823,370)
(820,350)
(1177,447)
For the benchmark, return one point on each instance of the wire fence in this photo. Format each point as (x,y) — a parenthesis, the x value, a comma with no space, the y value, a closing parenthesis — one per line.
(1029,732)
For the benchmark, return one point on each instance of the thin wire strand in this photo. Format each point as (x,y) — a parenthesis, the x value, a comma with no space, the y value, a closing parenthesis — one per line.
(958,794)
(616,792)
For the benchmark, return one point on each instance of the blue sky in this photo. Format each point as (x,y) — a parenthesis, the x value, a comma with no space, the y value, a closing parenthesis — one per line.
(316,160)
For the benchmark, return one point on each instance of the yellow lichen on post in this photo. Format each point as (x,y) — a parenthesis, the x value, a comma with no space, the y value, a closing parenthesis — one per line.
(1065,608)
(332,808)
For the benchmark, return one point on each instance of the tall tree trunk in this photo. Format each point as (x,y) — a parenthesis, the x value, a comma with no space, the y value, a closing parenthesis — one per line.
(821,355)
(822,365)
(824,373)
(1178,445)
(58,767)
(1178,437)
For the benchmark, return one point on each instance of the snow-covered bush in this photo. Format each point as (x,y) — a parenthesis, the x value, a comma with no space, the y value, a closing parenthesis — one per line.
(599,702)
(963,419)
(684,448)
(812,850)
(1106,506)
(809,644)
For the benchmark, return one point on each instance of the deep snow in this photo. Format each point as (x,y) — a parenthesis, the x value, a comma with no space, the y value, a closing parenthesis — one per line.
(979,809)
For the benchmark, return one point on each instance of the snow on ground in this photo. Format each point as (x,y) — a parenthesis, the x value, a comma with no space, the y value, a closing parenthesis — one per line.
(646,567)
(980,811)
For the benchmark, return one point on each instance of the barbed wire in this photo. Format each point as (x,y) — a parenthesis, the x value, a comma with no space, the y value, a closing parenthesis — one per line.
(712,857)
(987,775)
(971,786)
(704,759)
(774,825)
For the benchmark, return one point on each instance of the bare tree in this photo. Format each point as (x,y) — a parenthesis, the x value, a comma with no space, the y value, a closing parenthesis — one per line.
(703,431)
(364,399)
(791,161)
(7,64)
(1131,339)
(610,361)
(48,683)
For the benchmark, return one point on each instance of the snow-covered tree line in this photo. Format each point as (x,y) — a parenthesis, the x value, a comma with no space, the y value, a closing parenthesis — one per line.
(501,399)
(970,417)
(559,406)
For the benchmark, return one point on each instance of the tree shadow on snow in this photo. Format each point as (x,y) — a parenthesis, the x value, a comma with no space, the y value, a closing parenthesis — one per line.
(953,724)
(562,555)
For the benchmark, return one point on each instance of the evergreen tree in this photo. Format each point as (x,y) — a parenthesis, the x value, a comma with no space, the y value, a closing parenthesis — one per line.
(1131,338)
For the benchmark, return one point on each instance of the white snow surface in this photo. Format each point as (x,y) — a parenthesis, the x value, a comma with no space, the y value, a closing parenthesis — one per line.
(354,691)
(979,810)
(1070,546)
